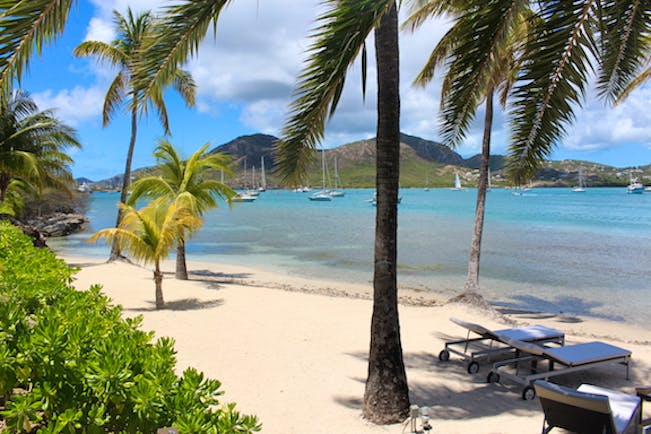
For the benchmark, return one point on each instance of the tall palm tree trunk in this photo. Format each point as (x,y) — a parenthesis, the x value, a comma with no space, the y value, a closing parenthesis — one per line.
(181,266)
(386,398)
(126,182)
(472,280)
(158,281)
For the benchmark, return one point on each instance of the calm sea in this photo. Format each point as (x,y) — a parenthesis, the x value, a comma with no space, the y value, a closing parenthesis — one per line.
(548,249)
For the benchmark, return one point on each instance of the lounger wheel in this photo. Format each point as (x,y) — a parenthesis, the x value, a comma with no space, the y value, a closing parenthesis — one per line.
(473,367)
(528,393)
(444,355)
(493,377)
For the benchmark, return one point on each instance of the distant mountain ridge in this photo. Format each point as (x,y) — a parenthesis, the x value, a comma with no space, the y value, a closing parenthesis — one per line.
(422,161)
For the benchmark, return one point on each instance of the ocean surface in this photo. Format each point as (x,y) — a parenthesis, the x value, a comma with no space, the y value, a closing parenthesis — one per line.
(547,249)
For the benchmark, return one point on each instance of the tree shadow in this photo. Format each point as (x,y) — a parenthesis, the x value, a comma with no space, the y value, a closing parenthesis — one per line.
(179,305)
(473,398)
(530,305)
(212,279)
(219,275)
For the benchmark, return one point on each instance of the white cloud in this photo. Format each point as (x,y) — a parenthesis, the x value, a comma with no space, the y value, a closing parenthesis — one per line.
(598,126)
(100,30)
(73,106)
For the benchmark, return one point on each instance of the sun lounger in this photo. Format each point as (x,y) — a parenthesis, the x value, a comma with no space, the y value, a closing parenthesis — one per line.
(491,343)
(560,360)
(589,409)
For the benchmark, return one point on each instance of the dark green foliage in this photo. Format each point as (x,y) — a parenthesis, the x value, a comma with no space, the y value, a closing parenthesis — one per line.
(69,363)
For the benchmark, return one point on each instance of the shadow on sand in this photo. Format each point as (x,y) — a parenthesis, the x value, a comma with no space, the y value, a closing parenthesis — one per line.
(475,398)
(179,305)
(528,306)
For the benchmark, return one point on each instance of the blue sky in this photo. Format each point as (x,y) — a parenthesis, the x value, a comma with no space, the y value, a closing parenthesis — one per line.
(245,78)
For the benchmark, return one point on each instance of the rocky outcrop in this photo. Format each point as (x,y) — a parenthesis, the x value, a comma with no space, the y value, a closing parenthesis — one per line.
(59,224)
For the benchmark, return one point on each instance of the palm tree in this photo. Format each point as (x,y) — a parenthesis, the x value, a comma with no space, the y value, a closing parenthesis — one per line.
(188,180)
(150,233)
(338,41)
(32,146)
(503,65)
(125,52)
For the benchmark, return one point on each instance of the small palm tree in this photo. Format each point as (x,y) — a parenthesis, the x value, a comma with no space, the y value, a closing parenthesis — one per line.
(459,104)
(150,233)
(125,52)
(188,180)
(32,146)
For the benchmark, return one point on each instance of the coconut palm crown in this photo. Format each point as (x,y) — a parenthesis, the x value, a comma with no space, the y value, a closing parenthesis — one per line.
(189,181)
(149,234)
(124,52)
(33,146)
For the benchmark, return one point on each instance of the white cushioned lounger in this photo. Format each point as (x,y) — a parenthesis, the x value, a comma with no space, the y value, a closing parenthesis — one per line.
(571,358)
(493,342)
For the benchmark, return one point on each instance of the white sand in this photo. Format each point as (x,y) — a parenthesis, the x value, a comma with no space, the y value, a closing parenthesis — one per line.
(294,356)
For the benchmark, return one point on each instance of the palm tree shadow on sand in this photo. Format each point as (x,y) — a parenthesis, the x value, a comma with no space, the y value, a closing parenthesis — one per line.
(529,306)
(481,399)
(184,304)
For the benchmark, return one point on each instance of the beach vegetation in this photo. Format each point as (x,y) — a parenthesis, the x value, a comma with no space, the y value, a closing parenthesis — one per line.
(188,180)
(461,94)
(70,363)
(125,53)
(337,42)
(33,145)
(150,233)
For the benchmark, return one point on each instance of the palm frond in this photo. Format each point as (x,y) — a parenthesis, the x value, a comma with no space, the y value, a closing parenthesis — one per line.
(176,37)
(473,62)
(555,71)
(186,87)
(25,26)
(423,10)
(625,44)
(338,39)
(105,54)
(440,53)
(634,84)
(114,97)
(148,187)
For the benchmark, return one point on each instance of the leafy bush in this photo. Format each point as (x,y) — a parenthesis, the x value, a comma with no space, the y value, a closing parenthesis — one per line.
(69,363)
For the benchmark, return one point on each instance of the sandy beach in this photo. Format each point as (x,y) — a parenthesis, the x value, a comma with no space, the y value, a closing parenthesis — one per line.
(293,351)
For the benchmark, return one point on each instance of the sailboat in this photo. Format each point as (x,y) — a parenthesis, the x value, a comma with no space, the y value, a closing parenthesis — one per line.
(581,187)
(244,196)
(634,186)
(335,192)
(252,191)
(323,195)
(457,182)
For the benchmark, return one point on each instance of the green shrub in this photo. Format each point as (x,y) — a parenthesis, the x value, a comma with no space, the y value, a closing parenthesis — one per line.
(69,363)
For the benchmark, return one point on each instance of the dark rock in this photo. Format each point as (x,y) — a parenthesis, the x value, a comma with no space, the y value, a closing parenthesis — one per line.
(59,224)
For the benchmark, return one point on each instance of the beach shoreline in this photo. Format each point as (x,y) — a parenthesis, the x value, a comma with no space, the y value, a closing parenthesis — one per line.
(293,350)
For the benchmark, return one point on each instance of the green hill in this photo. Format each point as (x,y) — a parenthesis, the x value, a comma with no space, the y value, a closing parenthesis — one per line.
(422,163)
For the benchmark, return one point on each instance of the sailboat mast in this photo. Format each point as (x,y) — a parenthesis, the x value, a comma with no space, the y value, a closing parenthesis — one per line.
(264,178)
(323,169)
(244,186)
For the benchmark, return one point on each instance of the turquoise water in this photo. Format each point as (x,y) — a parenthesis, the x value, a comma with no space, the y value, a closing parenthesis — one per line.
(548,249)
